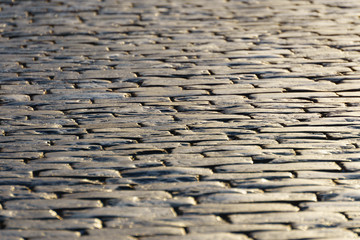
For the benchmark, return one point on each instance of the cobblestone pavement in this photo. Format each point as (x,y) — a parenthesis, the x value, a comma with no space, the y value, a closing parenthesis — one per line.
(179,119)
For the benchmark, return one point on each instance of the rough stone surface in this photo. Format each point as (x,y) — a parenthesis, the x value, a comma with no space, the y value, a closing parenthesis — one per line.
(165,119)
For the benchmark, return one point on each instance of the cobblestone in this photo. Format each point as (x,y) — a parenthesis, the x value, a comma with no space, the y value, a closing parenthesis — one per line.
(39,204)
(166,119)
(122,211)
(68,224)
(236,208)
(301,234)
(289,217)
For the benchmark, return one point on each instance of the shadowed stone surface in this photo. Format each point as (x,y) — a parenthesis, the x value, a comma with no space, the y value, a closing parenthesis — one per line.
(166,119)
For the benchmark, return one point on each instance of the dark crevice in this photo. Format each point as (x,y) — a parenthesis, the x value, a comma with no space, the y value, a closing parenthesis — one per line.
(225,218)
(2,225)
(149,152)
(341,165)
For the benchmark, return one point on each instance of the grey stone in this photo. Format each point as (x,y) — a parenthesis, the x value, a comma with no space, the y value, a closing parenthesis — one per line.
(310,233)
(164,92)
(66,188)
(205,236)
(158,171)
(28,214)
(12,238)
(182,81)
(176,221)
(351,166)
(90,173)
(226,99)
(327,175)
(242,89)
(64,224)
(96,237)
(122,211)
(183,187)
(239,228)
(220,150)
(104,165)
(79,95)
(278,167)
(341,157)
(206,161)
(174,202)
(17,195)
(286,95)
(348,182)
(310,129)
(14,98)
(209,116)
(340,195)
(289,217)
(107,74)
(281,183)
(248,176)
(256,197)
(331,206)
(305,189)
(214,208)
(45,204)
(36,234)
(143,194)
(189,138)
(136,231)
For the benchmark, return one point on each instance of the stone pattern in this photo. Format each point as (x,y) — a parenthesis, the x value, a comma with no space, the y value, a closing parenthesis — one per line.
(166,119)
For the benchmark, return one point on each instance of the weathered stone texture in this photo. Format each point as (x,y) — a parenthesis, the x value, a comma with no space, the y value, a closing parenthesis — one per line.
(165,119)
